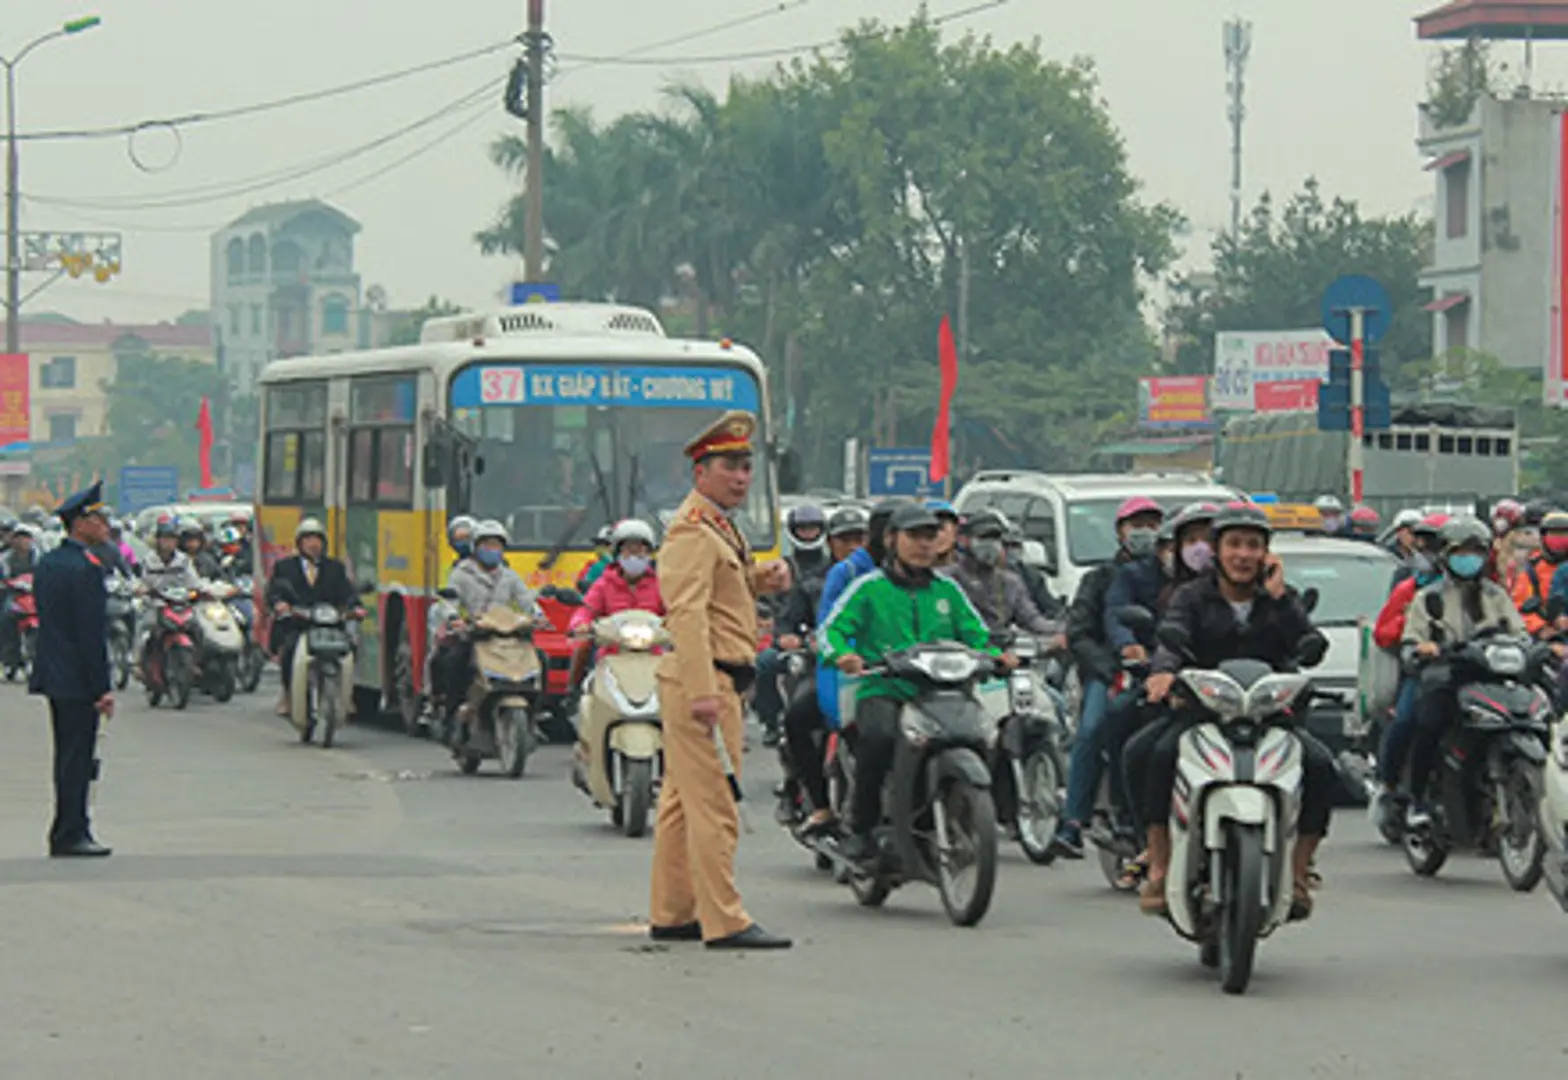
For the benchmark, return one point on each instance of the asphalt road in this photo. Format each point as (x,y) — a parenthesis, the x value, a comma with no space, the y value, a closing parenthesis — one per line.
(274,910)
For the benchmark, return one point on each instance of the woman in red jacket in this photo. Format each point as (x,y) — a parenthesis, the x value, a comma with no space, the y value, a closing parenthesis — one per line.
(629,583)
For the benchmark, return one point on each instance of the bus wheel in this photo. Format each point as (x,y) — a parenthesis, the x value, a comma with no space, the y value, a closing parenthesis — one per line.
(410,709)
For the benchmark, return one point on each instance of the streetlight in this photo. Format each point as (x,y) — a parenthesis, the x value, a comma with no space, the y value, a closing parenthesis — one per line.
(13,193)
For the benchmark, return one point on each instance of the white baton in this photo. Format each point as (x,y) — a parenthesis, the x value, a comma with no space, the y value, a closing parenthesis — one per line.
(728,765)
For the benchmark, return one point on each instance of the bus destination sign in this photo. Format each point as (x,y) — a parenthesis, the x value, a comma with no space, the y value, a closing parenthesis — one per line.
(679,387)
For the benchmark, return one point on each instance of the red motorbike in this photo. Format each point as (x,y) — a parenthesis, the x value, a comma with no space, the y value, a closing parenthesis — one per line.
(23,607)
(169,660)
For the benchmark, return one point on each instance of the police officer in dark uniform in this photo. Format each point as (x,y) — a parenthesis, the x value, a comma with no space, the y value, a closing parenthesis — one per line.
(72,665)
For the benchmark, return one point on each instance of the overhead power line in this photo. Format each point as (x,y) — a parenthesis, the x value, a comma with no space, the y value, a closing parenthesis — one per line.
(211,115)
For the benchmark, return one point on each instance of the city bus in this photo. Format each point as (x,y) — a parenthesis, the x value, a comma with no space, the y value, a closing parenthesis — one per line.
(555,419)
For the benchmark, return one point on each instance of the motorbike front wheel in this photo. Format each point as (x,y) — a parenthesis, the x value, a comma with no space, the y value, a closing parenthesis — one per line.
(1039,804)
(179,670)
(1242,916)
(966,863)
(636,797)
(514,740)
(120,652)
(224,681)
(326,704)
(1520,848)
(253,660)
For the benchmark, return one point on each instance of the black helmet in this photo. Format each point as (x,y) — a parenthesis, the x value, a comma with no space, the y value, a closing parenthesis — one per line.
(1535,510)
(1465,532)
(1167,533)
(807,516)
(848,519)
(1241,515)
(878,523)
(985,524)
(913,516)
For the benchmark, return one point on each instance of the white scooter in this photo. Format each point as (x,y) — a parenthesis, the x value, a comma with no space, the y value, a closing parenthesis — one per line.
(1233,812)
(620,749)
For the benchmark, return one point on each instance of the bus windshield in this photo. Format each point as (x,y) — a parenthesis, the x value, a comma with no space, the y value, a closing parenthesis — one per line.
(564,454)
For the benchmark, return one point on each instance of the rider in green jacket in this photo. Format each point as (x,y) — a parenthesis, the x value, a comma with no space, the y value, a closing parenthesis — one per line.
(903,604)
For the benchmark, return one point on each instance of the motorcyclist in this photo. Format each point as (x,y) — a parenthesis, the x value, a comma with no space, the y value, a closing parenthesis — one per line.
(1535,578)
(1332,512)
(1138,521)
(193,542)
(20,557)
(1401,542)
(314,577)
(1425,567)
(1365,524)
(120,535)
(995,589)
(1512,545)
(630,584)
(167,567)
(793,613)
(1470,602)
(904,603)
(604,555)
(481,581)
(947,540)
(856,564)
(234,555)
(1040,592)
(1242,608)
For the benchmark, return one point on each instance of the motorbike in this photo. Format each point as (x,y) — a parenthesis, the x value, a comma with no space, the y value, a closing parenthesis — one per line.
(1028,769)
(253,658)
(1111,829)
(169,665)
(322,687)
(1490,771)
(620,748)
(939,823)
(24,614)
(1234,806)
(220,642)
(121,614)
(497,716)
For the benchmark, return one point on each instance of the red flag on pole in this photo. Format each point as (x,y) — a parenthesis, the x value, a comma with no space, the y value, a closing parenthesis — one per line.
(947,353)
(204,450)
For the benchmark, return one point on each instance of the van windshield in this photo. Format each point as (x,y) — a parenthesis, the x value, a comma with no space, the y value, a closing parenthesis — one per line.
(1091,525)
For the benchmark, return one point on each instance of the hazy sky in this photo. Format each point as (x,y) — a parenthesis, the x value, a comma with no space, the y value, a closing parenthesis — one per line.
(1332,88)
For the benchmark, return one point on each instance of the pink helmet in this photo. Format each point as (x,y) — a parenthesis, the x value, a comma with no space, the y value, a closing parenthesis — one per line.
(1138,504)
(1365,515)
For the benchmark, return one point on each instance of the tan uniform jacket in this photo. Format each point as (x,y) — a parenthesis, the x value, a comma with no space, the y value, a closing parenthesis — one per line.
(709,585)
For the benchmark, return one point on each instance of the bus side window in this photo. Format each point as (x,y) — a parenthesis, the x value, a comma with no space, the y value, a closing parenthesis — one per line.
(381,443)
(295,455)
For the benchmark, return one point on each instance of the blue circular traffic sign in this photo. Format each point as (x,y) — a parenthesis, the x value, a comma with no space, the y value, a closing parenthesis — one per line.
(1357,291)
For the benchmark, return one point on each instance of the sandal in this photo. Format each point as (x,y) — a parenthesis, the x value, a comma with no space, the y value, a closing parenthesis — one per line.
(1134,870)
(821,827)
(1300,902)
(1151,897)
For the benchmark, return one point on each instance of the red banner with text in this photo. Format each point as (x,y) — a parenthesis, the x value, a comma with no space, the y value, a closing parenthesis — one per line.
(15,398)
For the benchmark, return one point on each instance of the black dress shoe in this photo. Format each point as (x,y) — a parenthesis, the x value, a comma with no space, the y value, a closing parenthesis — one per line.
(81,849)
(681,932)
(753,937)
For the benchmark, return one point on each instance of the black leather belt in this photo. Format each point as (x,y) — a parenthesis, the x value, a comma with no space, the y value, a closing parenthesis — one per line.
(742,675)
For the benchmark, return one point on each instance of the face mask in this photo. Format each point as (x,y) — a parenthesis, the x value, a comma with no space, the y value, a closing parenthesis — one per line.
(1197,556)
(987,552)
(464,548)
(1332,524)
(634,566)
(1141,542)
(1500,526)
(1421,563)
(1555,544)
(489,558)
(1467,566)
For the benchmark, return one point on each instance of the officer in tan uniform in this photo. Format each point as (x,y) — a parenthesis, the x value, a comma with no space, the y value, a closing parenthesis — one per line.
(710,586)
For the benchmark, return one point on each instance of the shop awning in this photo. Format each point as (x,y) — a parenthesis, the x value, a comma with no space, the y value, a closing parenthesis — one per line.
(1448,160)
(1447,303)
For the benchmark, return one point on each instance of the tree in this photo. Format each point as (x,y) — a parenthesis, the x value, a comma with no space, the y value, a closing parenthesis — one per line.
(1272,276)
(1460,77)
(406,332)
(153,404)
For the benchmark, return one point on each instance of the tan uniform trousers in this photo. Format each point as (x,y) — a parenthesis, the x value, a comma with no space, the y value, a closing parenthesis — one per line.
(698,824)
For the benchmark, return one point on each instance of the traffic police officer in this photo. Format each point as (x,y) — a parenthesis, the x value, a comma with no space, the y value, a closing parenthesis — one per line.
(710,588)
(72,665)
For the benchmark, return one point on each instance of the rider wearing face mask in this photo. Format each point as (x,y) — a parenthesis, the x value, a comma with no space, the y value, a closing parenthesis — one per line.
(631,583)
(995,589)
(1470,602)
(1332,512)
(1138,522)
(809,562)
(1535,578)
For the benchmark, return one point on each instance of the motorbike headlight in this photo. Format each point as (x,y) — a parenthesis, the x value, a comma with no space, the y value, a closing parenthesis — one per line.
(216,612)
(1505,659)
(1021,684)
(326,615)
(637,638)
(1274,694)
(946,667)
(1217,692)
(917,727)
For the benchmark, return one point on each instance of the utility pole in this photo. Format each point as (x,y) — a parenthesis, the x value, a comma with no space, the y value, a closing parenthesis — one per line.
(536,43)
(1238,47)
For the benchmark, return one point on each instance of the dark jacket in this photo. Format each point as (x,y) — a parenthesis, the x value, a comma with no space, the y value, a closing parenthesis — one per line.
(1138,582)
(797,609)
(72,662)
(999,594)
(1272,634)
(206,565)
(1040,591)
(288,584)
(1095,659)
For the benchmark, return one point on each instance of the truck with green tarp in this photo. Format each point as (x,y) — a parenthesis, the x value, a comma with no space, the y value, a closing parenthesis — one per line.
(1450,455)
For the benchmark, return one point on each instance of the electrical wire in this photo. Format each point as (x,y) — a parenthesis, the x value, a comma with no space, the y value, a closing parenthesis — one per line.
(211,115)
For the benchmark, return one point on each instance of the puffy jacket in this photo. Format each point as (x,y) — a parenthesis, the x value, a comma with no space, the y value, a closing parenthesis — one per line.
(1390,627)
(999,594)
(1096,660)
(879,615)
(1272,633)
(1139,582)
(479,589)
(175,573)
(592,572)
(858,564)
(1493,603)
(613,592)
(1534,582)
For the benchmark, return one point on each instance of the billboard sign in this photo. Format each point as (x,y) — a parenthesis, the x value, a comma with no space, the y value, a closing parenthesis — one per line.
(1285,395)
(1174,401)
(15,398)
(1247,357)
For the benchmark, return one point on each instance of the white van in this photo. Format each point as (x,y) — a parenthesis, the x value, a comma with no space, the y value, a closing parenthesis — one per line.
(1073,516)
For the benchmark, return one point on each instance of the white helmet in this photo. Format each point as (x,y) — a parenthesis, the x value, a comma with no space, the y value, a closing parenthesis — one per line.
(1329,505)
(461,521)
(630,529)
(1407,518)
(491,529)
(309,527)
